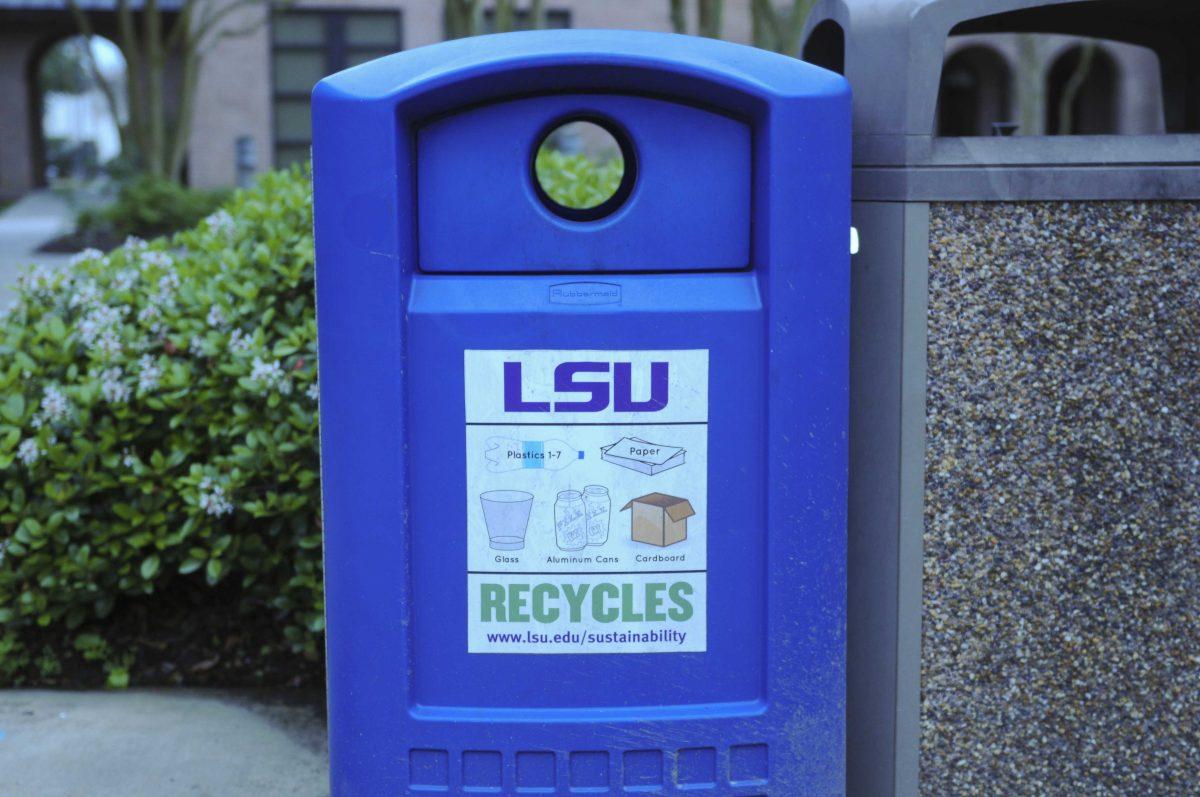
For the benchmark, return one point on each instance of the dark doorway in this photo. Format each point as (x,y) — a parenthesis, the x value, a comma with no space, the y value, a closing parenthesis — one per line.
(80,103)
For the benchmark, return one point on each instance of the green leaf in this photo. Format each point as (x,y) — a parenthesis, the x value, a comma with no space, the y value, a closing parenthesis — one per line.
(56,328)
(124,511)
(212,572)
(88,642)
(118,678)
(13,408)
(150,567)
(190,565)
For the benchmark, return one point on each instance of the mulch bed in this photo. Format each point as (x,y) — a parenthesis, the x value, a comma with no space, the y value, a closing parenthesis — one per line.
(76,242)
(177,640)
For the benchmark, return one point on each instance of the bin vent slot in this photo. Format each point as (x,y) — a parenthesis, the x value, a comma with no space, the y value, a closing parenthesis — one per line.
(1080,68)
(826,47)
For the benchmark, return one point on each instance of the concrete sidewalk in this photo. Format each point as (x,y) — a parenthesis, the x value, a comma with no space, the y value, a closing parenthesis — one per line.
(31,221)
(150,743)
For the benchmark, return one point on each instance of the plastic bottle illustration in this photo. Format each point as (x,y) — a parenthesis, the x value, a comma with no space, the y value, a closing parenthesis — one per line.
(507,453)
(596,505)
(506,515)
(570,521)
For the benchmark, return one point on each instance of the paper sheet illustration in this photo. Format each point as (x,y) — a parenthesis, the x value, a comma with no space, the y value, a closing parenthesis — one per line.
(642,455)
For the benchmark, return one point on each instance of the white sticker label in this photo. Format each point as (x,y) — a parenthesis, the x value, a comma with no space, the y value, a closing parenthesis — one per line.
(587,501)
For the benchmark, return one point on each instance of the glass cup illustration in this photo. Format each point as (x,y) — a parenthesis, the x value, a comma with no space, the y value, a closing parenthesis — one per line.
(506,515)
(570,521)
(596,505)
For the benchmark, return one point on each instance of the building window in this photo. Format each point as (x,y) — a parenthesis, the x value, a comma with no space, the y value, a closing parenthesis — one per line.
(555,18)
(308,45)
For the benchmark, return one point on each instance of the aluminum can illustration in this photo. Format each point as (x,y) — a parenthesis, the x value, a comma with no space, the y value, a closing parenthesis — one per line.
(596,505)
(570,522)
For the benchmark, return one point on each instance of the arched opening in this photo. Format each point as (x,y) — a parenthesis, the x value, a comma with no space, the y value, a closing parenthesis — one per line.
(78,83)
(826,47)
(1081,92)
(974,97)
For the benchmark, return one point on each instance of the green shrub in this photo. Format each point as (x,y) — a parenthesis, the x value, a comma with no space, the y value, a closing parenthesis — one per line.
(148,207)
(575,181)
(158,455)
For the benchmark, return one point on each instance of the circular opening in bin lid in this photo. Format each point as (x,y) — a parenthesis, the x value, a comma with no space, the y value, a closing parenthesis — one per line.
(583,167)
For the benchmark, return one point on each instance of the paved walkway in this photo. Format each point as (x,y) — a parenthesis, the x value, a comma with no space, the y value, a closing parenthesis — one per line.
(25,225)
(150,743)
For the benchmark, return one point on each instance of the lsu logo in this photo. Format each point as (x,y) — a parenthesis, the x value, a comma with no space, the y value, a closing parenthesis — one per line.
(602,383)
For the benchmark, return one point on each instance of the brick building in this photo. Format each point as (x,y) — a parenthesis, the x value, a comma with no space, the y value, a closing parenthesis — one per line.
(253,88)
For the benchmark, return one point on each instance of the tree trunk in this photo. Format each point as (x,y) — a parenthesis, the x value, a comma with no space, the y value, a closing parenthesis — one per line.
(181,134)
(155,138)
(678,16)
(136,77)
(110,94)
(710,13)
(537,14)
(152,45)
(504,15)
(776,30)
(461,18)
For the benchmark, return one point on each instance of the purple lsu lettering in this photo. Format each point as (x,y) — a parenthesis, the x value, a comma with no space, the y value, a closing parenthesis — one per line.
(617,376)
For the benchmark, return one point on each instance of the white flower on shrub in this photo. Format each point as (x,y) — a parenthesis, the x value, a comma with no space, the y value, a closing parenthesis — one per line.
(112,388)
(313,392)
(239,341)
(86,294)
(42,281)
(157,258)
(216,318)
(212,498)
(29,451)
(221,223)
(149,313)
(98,329)
(197,345)
(85,256)
(270,376)
(109,345)
(167,284)
(149,317)
(134,244)
(125,279)
(148,373)
(128,459)
(55,405)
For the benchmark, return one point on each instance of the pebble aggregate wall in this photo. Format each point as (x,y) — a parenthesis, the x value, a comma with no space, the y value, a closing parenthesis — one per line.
(1061,606)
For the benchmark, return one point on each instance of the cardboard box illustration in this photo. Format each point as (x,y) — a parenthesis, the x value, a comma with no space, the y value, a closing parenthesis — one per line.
(659,519)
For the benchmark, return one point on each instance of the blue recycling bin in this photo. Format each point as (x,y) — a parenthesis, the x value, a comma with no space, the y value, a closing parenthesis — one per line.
(584,459)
